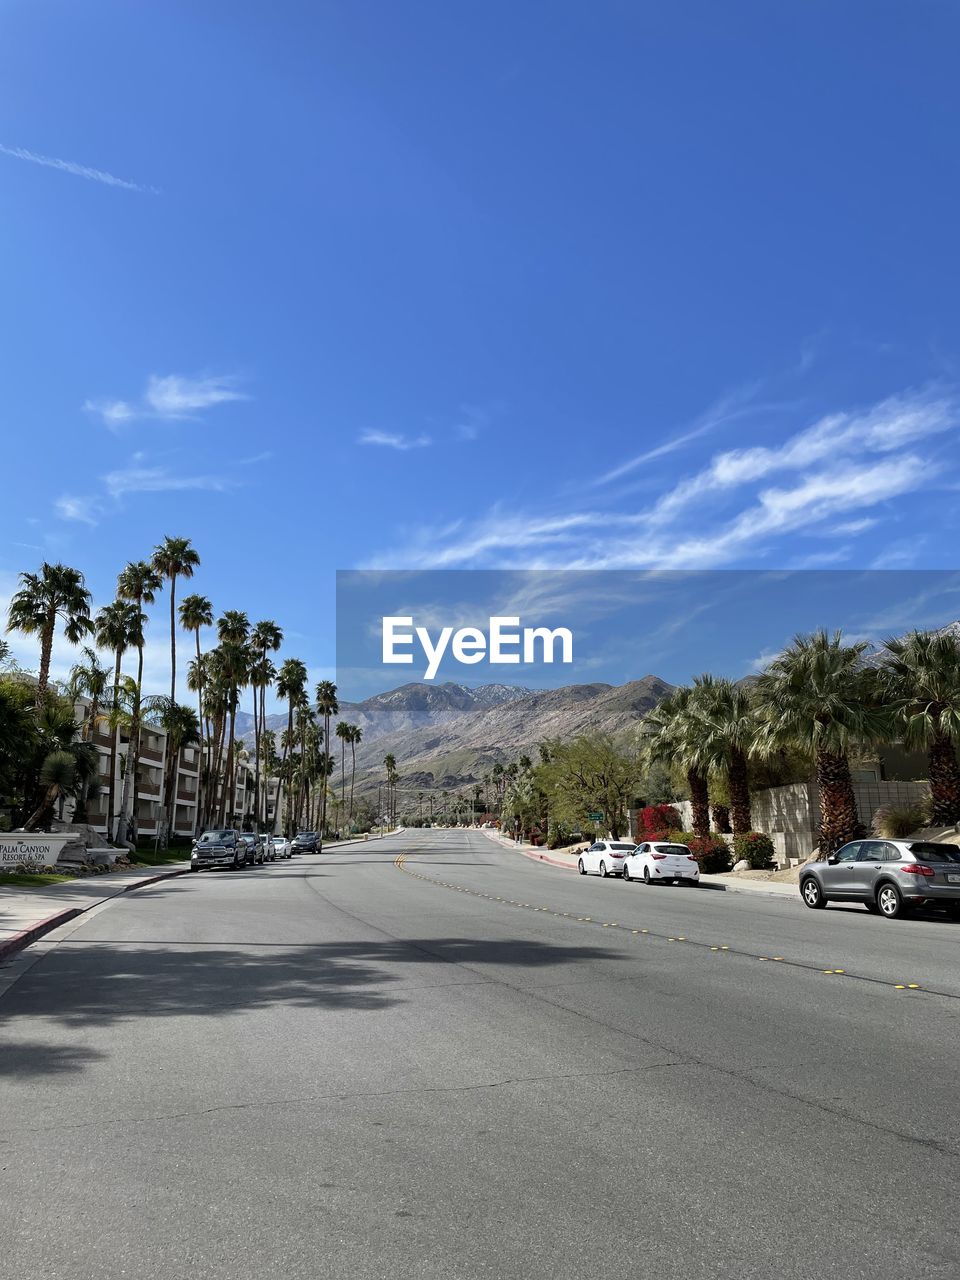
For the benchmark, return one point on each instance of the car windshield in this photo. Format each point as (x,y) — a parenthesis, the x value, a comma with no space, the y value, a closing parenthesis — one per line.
(935,852)
(214,837)
(307,835)
(680,850)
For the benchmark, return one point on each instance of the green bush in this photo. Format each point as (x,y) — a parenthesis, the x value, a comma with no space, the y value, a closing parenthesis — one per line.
(894,821)
(756,848)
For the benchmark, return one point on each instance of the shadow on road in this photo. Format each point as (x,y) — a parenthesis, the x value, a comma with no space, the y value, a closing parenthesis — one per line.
(96,984)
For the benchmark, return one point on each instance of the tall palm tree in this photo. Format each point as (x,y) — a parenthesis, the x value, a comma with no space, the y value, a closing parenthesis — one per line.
(116,627)
(920,676)
(356,737)
(327,706)
(344,732)
(291,685)
(390,764)
(818,697)
(88,679)
(233,630)
(722,734)
(56,593)
(139,582)
(181,725)
(265,638)
(196,612)
(669,735)
(174,558)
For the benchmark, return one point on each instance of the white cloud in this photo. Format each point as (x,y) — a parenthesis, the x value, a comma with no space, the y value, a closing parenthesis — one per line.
(82,508)
(78,170)
(138,478)
(841,466)
(394,440)
(172,397)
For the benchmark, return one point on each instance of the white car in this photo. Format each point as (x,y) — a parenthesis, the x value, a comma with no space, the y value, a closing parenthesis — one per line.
(661,863)
(604,857)
(281,847)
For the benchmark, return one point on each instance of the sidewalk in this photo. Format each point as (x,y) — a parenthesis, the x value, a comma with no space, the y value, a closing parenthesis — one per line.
(27,914)
(725,883)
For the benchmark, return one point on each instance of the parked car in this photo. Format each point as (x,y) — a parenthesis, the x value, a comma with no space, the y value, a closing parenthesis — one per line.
(222,847)
(255,849)
(890,877)
(306,842)
(660,862)
(604,857)
(281,846)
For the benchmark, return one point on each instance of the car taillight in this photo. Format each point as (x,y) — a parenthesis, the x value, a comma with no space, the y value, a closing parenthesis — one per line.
(658,857)
(691,858)
(918,869)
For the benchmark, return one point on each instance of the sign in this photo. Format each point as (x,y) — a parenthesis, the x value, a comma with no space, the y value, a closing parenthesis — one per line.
(595,817)
(25,847)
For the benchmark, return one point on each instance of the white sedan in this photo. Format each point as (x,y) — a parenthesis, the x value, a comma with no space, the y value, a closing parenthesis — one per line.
(662,863)
(604,858)
(281,847)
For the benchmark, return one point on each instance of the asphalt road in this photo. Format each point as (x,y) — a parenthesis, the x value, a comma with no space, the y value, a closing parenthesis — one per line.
(473,1065)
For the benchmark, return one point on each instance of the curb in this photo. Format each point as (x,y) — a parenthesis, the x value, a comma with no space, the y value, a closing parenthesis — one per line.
(10,946)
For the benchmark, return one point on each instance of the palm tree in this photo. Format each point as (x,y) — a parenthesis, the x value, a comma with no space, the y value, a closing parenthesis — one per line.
(233,630)
(327,706)
(390,764)
(356,737)
(291,685)
(723,730)
(139,582)
(196,612)
(344,732)
(818,697)
(920,676)
(56,593)
(88,679)
(669,735)
(116,627)
(68,767)
(182,727)
(265,638)
(174,558)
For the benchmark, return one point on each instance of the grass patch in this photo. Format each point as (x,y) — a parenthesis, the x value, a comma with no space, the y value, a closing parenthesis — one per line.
(162,858)
(32,879)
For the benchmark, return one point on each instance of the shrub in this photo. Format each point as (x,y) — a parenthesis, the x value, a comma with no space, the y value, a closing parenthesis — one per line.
(894,821)
(655,819)
(712,853)
(756,848)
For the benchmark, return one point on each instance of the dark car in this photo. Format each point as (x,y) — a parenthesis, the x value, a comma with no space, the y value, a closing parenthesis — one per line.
(220,847)
(306,842)
(255,850)
(889,877)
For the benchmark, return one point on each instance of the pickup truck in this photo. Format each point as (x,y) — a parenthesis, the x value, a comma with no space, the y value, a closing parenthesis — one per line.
(220,848)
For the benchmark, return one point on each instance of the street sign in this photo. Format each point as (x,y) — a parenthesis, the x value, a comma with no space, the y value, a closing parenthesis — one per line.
(595,817)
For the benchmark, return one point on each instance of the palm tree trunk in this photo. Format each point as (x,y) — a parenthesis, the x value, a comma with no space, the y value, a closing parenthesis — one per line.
(323,794)
(203,762)
(46,651)
(839,820)
(343,778)
(44,807)
(114,737)
(699,802)
(721,819)
(353,773)
(738,782)
(173,637)
(944,782)
(128,799)
(256,763)
(231,766)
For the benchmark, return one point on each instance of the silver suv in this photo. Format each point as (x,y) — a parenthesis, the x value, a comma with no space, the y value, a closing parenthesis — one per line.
(889,877)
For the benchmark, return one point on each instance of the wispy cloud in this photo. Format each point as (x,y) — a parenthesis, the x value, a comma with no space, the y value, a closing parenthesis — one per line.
(139,478)
(82,508)
(394,440)
(172,397)
(828,478)
(78,170)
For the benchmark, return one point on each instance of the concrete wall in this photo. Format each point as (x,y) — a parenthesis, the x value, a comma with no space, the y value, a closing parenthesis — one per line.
(790,815)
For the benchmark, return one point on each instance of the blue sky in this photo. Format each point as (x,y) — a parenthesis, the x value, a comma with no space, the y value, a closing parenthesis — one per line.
(325,285)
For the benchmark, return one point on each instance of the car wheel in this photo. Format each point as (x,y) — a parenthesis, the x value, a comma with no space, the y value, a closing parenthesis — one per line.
(581,868)
(890,901)
(812,894)
(646,875)
(603,870)
(626,874)
(194,868)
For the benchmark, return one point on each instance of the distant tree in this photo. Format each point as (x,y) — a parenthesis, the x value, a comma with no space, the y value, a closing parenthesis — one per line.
(56,594)
(174,558)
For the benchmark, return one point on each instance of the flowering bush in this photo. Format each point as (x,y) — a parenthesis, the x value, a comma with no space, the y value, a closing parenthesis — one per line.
(655,820)
(711,853)
(756,847)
